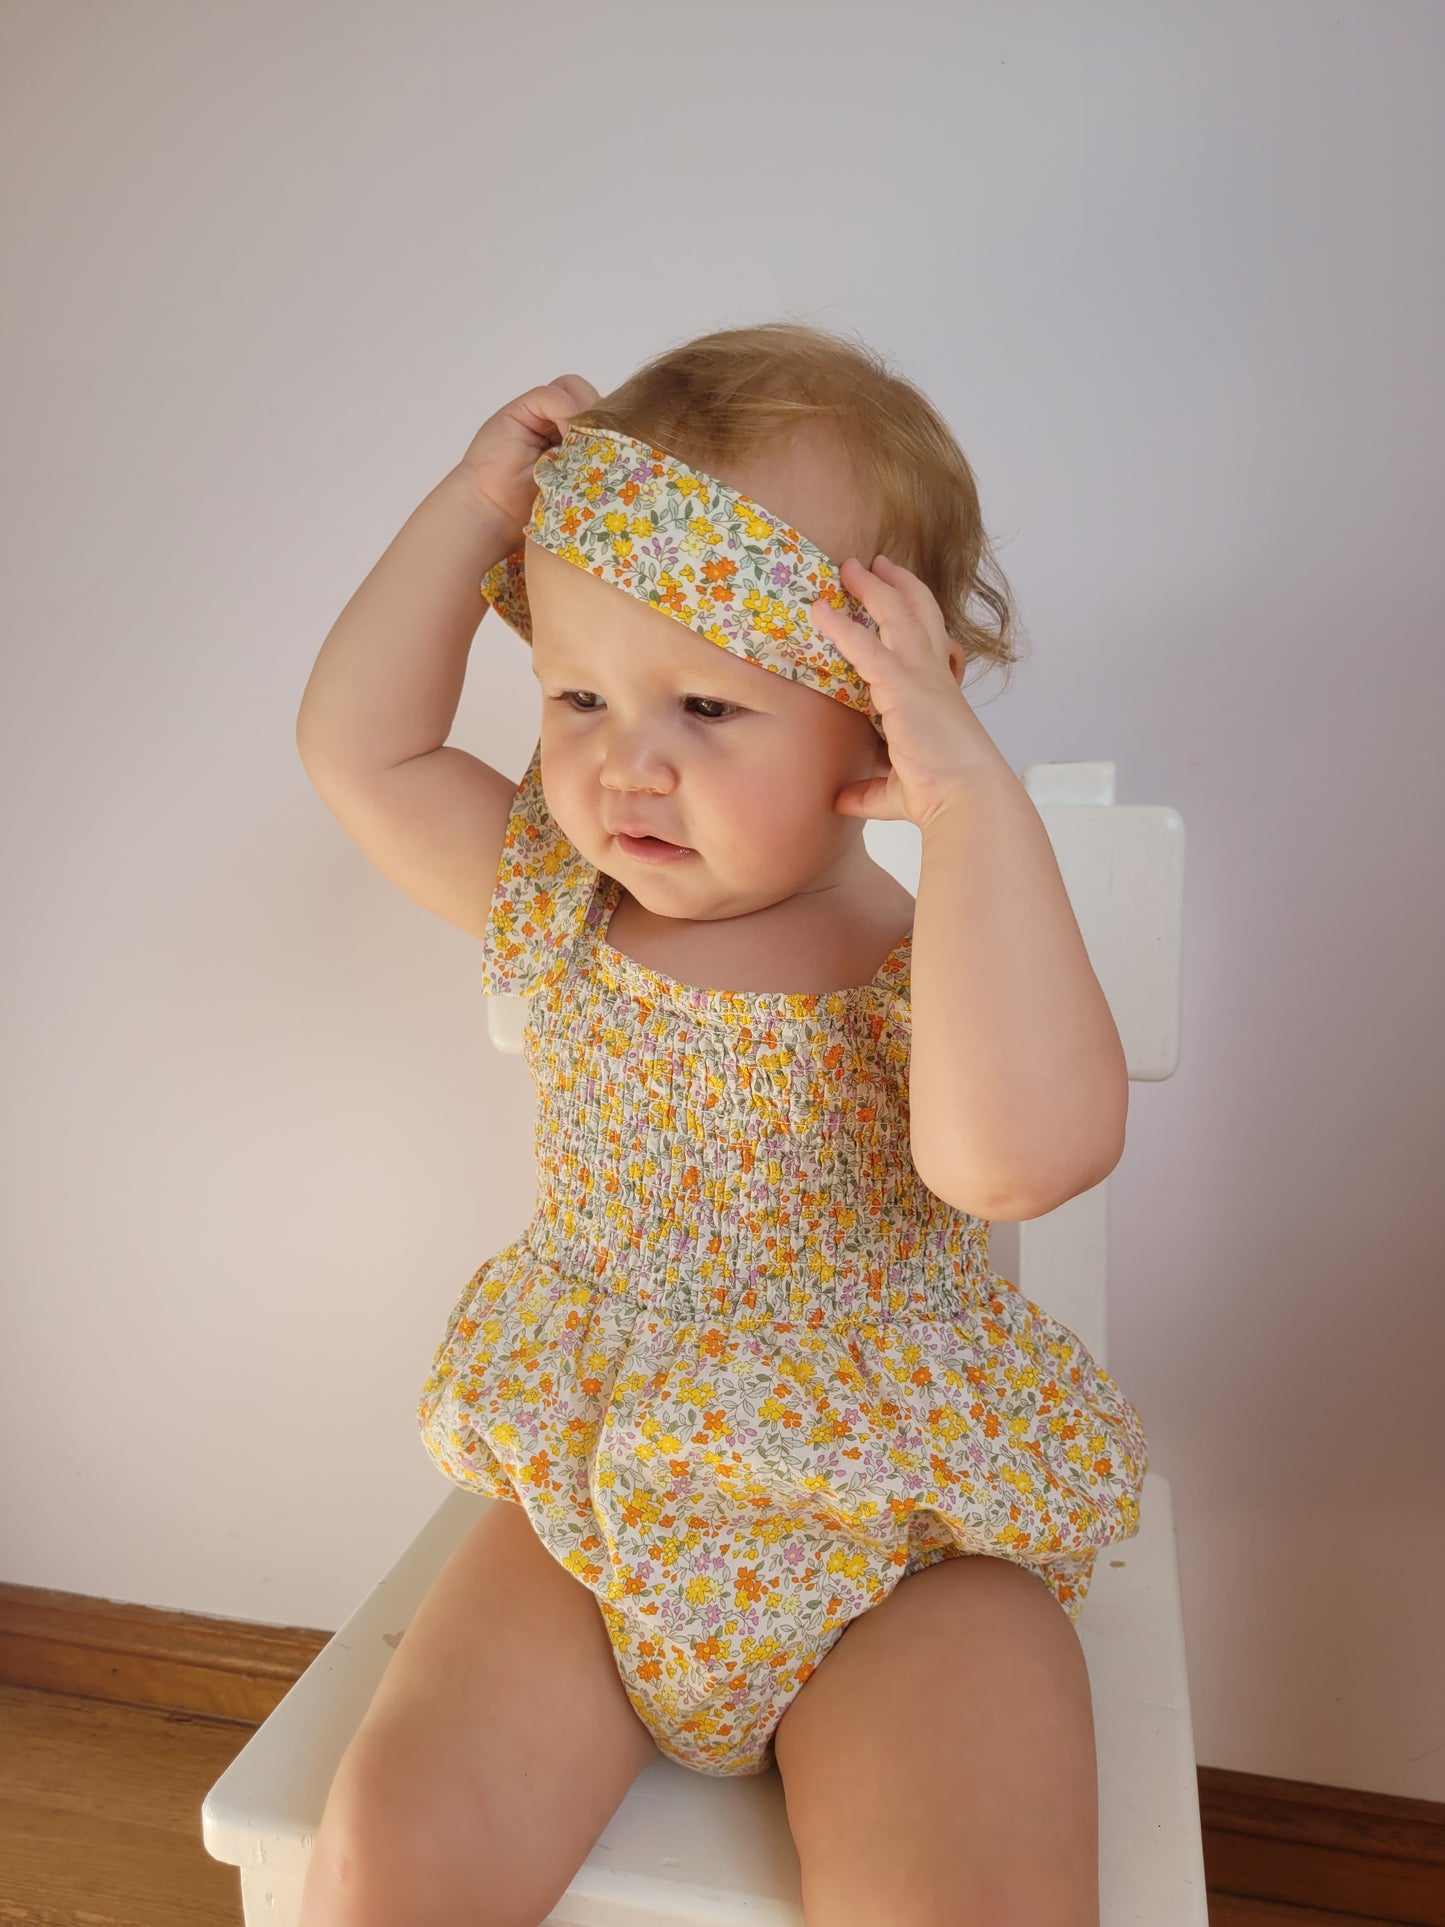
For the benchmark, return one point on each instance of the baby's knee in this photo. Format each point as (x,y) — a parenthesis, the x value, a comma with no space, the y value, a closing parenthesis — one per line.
(398,1843)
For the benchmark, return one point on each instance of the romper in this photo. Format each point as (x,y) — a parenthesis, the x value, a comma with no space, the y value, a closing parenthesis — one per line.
(743,1369)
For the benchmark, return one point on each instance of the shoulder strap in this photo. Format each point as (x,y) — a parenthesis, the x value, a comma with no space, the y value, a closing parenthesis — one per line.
(543,890)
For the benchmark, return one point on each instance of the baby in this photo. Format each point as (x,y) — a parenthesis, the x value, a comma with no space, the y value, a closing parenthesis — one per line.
(783,1461)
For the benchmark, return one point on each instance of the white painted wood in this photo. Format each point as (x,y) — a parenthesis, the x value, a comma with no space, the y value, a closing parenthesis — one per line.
(1070,782)
(691,1850)
(1123,867)
(1063,1263)
(506,1020)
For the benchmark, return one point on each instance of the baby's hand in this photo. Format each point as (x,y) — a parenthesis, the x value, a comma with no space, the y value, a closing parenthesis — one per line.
(497,467)
(912,668)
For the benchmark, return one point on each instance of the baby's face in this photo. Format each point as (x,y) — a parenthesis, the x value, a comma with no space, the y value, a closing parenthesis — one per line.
(644,720)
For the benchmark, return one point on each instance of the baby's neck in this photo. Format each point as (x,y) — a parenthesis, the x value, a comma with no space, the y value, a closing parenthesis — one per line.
(812,941)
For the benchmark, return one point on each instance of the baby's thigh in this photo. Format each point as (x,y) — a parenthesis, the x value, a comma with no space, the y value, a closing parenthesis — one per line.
(495,1750)
(939,1763)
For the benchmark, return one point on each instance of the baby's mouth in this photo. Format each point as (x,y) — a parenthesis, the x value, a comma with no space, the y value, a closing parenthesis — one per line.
(656,846)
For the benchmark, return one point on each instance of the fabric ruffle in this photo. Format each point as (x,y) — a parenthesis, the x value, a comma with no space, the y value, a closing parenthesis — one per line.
(540,899)
(731,1484)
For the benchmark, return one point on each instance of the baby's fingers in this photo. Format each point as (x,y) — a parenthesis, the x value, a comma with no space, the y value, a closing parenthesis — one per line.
(841,630)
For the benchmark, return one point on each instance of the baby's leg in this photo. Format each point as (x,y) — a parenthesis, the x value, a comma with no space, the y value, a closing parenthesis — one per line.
(939,1764)
(495,1750)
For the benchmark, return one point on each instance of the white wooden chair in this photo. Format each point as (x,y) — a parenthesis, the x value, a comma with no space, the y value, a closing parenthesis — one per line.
(687,1848)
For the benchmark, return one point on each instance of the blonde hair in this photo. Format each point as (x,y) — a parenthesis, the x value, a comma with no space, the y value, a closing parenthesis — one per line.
(717,399)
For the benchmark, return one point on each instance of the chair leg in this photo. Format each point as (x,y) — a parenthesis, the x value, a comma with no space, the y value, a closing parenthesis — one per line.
(268,1900)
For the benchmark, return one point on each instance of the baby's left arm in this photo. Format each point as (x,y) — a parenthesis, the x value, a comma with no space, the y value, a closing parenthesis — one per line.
(1018,1086)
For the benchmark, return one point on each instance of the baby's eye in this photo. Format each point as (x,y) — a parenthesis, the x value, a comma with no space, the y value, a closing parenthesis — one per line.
(590,709)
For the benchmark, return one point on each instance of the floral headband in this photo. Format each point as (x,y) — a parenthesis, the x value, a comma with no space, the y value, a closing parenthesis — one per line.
(685,543)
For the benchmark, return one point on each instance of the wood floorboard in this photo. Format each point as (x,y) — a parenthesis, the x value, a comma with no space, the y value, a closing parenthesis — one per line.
(100,1814)
(1234,1910)
(100,1821)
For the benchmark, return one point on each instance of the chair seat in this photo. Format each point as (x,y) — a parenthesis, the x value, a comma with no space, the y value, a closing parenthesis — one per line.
(687,1848)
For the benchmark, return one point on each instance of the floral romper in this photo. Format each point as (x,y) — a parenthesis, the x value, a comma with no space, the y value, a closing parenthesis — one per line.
(742,1368)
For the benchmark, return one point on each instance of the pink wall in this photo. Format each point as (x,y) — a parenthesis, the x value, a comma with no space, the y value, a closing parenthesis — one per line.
(1169,272)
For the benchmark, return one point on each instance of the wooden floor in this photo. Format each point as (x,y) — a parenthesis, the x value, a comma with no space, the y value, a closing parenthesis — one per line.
(1225,1910)
(100,1820)
(100,1814)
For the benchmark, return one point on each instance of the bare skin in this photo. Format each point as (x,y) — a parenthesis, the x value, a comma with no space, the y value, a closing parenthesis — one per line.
(939,1765)
(495,1750)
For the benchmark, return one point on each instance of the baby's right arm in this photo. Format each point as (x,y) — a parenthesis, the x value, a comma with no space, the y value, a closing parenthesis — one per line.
(383,693)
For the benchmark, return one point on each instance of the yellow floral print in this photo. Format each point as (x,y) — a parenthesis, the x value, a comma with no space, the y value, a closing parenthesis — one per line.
(742,1368)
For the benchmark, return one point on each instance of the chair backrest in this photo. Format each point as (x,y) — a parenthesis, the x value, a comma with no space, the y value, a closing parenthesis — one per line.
(1123,867)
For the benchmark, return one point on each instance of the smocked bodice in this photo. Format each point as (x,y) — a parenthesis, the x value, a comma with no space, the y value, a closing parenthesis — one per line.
(735,1141)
